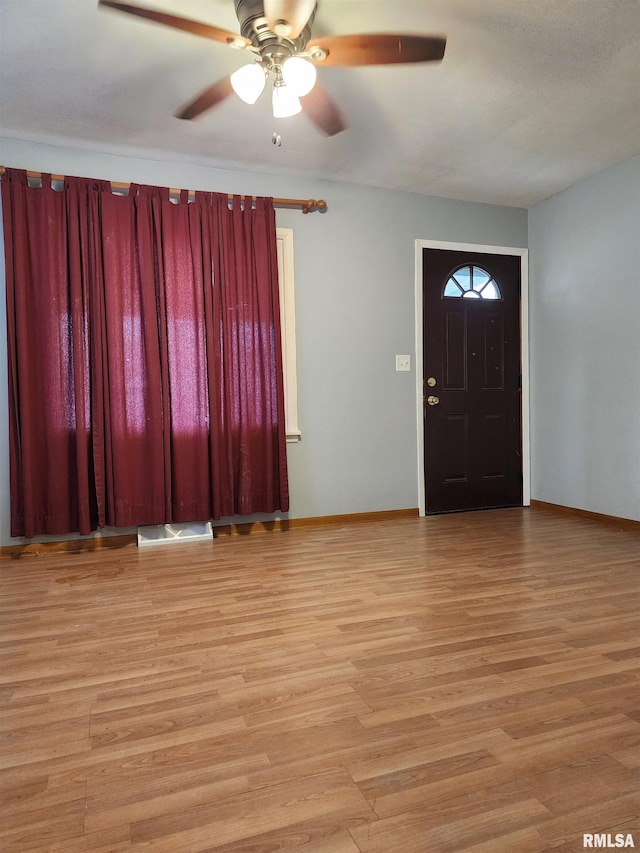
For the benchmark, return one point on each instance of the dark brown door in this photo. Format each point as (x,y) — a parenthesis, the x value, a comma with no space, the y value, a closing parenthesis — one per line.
(473,447)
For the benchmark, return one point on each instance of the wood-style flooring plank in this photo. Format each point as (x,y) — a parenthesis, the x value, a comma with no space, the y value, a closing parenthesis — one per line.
(456,684)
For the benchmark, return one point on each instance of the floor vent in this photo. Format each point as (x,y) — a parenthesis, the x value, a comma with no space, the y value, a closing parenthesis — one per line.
(165,534)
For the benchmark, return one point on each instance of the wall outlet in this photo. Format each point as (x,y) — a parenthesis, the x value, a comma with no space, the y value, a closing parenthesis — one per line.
(403,362)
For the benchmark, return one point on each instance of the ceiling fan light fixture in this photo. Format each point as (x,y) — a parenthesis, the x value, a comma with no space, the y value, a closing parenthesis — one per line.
(278,35)
(248,82)
(299,75)
(285,101)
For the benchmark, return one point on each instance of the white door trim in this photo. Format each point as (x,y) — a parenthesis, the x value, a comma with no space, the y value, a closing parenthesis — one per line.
(523,254)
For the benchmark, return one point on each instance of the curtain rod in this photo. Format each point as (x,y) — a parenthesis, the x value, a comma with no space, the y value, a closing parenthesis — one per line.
(306,205)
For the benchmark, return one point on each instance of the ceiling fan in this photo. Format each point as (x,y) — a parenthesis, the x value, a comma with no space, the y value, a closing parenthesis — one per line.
(277,33)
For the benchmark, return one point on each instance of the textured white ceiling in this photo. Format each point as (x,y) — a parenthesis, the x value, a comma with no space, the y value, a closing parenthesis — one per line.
(531,97)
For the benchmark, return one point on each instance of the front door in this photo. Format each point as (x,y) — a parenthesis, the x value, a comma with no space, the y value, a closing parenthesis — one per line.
(472,407)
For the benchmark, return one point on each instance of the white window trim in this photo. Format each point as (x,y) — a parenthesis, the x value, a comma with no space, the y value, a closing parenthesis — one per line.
(284,241)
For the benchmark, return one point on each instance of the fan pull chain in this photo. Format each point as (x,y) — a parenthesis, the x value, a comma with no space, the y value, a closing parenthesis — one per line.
(276,138)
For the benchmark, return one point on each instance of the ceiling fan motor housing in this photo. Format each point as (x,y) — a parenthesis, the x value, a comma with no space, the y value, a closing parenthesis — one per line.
(254,26)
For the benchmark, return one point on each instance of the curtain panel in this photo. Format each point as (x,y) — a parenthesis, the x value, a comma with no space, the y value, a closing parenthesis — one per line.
(145,369)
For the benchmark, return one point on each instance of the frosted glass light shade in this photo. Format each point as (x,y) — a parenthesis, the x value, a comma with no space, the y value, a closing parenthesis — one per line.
(248,82)
(299,75)
(285,102)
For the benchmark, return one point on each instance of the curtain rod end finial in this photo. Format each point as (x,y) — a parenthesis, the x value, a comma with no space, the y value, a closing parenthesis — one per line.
(313,204)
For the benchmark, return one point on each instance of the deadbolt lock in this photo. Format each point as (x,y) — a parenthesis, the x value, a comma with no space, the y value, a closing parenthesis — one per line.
(433,401)
(431,381)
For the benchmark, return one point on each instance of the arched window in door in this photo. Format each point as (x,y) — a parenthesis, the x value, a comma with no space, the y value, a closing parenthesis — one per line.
(472,282)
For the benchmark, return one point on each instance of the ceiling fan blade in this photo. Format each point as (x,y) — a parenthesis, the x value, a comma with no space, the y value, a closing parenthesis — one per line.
(288,18)
(211,96)
(378,49)
(187,24)
(321,109)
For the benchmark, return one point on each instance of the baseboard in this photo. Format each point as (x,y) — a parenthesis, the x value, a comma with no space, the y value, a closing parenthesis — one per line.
(621,523)
(244,529)
(282,524)
(39,549)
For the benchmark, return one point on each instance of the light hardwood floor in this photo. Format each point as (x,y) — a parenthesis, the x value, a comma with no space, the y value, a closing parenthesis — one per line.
(458,683)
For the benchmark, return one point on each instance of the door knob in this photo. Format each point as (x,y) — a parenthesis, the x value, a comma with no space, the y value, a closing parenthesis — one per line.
(433,401)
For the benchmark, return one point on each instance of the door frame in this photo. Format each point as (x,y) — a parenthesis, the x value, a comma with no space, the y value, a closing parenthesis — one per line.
(523,254)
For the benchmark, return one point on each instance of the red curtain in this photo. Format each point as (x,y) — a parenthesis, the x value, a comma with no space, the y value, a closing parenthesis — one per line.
(145,369)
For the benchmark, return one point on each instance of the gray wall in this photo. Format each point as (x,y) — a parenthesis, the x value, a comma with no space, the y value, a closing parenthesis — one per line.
(584,250)
(354,276)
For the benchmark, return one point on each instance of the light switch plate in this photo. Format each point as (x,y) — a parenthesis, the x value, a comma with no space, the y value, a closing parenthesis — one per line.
(403,362)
